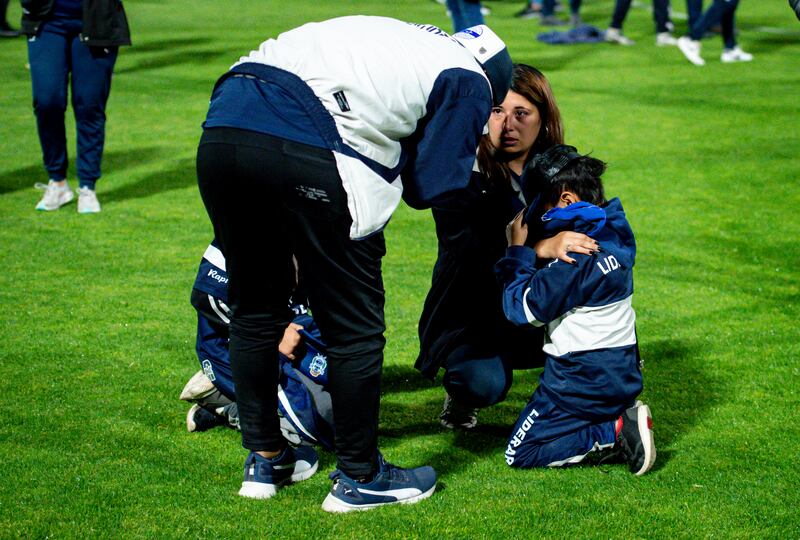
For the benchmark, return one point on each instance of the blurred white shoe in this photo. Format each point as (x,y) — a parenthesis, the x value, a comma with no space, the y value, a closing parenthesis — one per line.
(735,55)
(665,39)
(87,201)
(56,195)
(691,50)
(614,35)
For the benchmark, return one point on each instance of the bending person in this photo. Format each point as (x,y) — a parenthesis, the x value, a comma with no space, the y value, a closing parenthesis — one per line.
(308,146)
(462,328)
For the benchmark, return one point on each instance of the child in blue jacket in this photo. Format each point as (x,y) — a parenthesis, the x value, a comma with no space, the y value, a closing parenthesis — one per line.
(304,403)
(586,398)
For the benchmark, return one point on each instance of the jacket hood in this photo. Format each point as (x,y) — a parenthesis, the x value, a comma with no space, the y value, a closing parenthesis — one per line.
(616,236)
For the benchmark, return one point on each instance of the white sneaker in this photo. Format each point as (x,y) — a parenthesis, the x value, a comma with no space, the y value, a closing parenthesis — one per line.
(56,195)
(87,201)
(691,50)
(614,35)
(735,55)
(665,39)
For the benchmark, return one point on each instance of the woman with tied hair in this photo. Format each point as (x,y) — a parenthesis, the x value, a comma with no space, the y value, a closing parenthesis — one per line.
(462,327)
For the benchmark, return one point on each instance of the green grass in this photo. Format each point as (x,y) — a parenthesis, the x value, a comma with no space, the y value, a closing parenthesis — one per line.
(96,332)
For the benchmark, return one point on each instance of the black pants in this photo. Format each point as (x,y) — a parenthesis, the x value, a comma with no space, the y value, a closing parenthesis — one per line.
(269,199)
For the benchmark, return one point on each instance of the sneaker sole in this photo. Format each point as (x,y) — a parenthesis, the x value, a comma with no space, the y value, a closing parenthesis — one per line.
(335,505)
(734,60)
(43,208)
(190,425)
(259,490)
(644,420)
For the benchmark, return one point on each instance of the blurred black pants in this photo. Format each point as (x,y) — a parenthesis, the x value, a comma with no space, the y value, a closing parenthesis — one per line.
(269,199)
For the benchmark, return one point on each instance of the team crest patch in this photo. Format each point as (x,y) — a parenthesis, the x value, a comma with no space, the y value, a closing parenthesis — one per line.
(318,365)
(209,370)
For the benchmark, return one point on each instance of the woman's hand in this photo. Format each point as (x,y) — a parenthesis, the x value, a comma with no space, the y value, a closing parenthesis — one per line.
(291,341)
(516,231)
(563,243)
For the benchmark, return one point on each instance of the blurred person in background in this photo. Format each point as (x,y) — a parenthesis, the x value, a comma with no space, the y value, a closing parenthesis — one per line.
(723,11)
(532,9)
(72,48)
(664,25)
(465,13)
(548,17)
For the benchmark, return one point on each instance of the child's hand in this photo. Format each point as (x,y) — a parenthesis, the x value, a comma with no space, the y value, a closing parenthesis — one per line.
(516,231)
(291,340)
(563,243)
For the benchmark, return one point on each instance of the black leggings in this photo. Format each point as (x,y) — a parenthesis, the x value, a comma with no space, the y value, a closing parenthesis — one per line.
(269,199)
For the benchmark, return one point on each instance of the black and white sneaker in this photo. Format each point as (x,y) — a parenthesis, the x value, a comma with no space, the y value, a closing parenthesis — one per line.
(635,439)
(391,485)
(456,415)
(198,419)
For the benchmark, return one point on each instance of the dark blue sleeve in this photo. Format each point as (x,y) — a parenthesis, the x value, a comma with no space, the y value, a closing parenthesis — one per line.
(441,152)
(532,296)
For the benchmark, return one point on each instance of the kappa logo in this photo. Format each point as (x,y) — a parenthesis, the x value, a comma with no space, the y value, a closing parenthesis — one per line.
(216,276)
(318,365)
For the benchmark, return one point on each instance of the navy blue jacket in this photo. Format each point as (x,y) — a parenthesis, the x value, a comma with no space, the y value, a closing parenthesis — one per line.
(593,365)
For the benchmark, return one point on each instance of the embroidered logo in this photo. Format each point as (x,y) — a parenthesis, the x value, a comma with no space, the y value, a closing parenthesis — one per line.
(318,365)
(209,370)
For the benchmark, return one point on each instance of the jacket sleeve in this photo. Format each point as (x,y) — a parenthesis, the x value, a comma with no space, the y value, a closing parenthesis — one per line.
(442,149)
(537,297)
(105,24)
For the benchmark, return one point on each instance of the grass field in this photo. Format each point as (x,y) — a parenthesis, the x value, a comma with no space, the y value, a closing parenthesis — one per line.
(97,335)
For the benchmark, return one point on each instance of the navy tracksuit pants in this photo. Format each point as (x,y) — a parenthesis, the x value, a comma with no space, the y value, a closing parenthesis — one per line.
(59,60)
(548,436)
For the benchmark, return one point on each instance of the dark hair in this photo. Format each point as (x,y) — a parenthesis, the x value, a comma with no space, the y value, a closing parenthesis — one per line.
(531,84)
(580,176)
